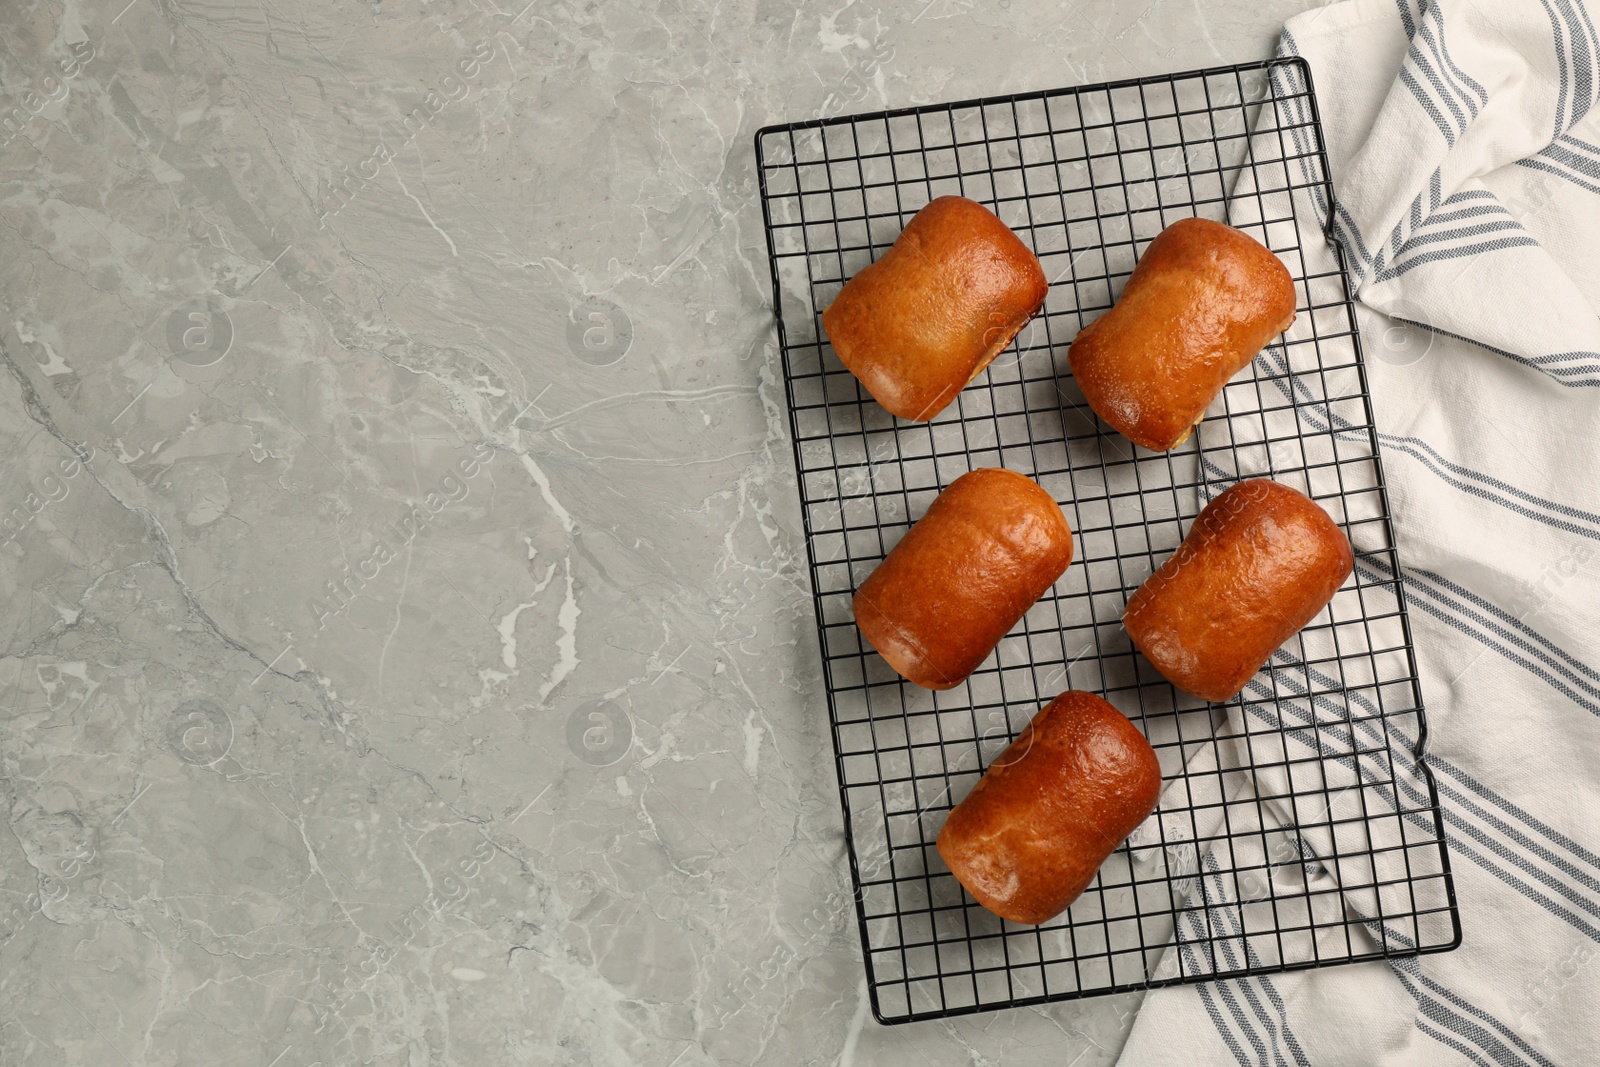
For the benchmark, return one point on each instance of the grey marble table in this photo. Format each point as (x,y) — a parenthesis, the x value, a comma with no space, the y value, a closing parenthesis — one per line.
(408,650)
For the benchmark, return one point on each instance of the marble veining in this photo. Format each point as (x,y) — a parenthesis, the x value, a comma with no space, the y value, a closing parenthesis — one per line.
(407,645)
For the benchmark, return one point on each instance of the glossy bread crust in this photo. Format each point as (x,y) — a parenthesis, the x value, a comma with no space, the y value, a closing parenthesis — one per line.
(1259,563)
(1034,831)
(926,318)
(1202,301)
(987,549)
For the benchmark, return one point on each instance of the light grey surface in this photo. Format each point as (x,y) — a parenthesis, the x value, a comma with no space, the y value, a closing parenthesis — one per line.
(425,673)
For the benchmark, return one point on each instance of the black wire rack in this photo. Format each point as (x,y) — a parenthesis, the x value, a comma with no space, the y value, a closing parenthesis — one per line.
(1298,826)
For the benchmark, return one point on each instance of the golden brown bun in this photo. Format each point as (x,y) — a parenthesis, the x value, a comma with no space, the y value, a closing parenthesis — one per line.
(987,549)
(1199,305)
(926,318)
(1259,563)
(1035,829)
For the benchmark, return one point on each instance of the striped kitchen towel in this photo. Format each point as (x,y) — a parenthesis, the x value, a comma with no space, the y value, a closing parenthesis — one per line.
(1464,140)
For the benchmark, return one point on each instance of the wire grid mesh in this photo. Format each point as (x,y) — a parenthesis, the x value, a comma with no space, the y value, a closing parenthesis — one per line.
(1297,826)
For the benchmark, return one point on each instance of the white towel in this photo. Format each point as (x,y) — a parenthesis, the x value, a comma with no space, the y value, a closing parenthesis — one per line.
(1464,140)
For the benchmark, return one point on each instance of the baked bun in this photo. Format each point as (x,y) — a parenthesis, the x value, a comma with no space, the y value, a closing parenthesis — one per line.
(1259,563)
(1033,832)
(1202,301)
(987,549)
(919,324)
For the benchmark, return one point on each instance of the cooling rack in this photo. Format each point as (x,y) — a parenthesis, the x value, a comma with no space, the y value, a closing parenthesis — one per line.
(1298,826)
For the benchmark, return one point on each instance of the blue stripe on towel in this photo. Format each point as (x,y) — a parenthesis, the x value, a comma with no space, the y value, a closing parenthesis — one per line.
(1441,73)
(1452,126)
(1406,18)
(1442,613)
(1485,487)
(1564,90)
(1579,671)
(1527,819)
(1522,840)
(1229,913)
(1413,968)
(1548,167)
(1523,240)
(1221,928)
(1580,35)
(1211,991)
(1444,50)
(1437,1011)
